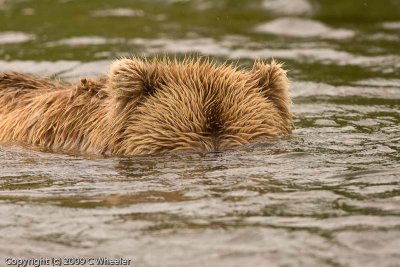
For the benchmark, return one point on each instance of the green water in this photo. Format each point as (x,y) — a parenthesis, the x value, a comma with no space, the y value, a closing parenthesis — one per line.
(329,195)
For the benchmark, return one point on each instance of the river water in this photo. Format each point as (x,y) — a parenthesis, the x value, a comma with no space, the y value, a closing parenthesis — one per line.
(329,195)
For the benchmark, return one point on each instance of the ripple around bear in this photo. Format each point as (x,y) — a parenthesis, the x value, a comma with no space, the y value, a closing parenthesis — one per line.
(148,106)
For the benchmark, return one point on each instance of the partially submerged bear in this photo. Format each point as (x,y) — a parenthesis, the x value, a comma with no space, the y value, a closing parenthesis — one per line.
(148,106)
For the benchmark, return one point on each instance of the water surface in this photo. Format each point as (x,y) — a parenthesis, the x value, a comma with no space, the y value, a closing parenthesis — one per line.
(329,195)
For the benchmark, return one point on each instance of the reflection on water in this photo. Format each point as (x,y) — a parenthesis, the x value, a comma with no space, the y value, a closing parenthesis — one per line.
(327,196)
(15,37)
(303,28)
(289,7)
(395,25)
(118,12)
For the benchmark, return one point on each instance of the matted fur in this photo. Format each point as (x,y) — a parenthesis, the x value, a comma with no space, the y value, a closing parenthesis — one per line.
(146,106)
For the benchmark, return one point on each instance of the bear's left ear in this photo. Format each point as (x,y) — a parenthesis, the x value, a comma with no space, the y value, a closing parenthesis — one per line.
(132,78)
(272,81)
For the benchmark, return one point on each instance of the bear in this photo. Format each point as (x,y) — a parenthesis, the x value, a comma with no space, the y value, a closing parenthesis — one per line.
(148,106)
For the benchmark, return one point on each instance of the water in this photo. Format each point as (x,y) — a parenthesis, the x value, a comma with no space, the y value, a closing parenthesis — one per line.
(329,195)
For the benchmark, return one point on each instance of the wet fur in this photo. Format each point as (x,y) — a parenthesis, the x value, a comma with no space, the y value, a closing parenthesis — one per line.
(148,106)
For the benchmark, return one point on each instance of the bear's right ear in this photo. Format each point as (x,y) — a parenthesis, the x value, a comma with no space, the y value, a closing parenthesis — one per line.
(273,83)
(132,78)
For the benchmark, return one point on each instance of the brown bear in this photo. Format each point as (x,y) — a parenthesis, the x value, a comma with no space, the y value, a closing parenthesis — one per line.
(147,106)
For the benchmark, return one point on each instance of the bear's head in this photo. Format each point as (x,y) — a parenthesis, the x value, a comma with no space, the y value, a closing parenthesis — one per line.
(195,105)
